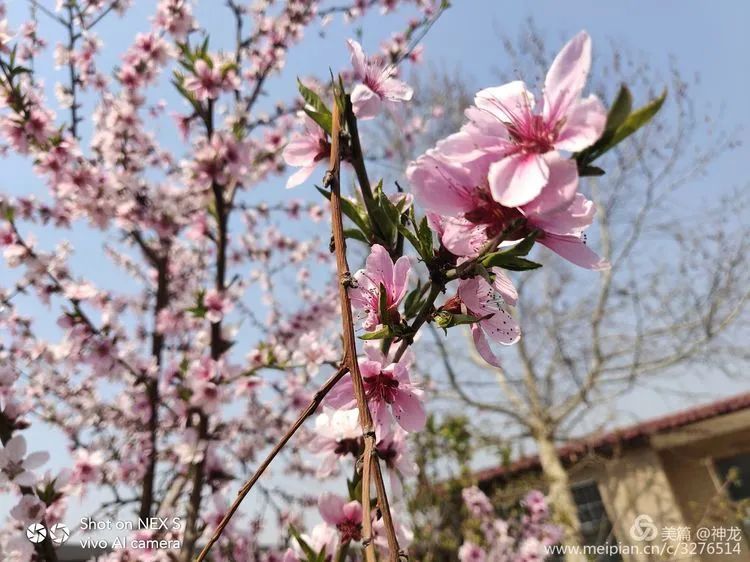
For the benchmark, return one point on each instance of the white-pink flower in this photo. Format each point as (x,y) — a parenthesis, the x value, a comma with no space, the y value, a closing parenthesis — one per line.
(15,466)
(378,84)
(216,305)
(306,150)
(470,552)
(29,509)
(337,434)
(205,83)
(379,274)
(486,302)
(565,121)
(345,516)
(387,386)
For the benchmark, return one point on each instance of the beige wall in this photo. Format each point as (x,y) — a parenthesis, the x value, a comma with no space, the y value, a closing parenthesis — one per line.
(673,482)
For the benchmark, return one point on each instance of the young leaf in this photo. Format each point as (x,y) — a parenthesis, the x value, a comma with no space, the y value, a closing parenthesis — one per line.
(638,119)
(523,247)
(312,99)
(356,234)
(379,334)
(324,120)
(509,262)
(621,108)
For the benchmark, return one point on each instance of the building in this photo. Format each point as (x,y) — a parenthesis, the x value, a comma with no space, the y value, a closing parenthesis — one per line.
(682,481)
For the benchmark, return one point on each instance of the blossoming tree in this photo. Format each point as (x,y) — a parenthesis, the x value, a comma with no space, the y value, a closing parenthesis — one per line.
(145,379)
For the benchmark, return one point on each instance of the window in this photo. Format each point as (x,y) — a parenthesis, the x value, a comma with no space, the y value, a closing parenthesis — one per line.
(736,469)
(735,472)
(596,528)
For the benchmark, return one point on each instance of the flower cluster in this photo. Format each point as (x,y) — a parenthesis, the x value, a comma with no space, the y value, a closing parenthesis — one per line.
(523,538)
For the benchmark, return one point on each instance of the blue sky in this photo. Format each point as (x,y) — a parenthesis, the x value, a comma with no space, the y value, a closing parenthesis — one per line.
(707,40)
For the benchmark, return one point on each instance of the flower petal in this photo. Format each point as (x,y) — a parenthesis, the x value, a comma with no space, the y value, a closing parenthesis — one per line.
(566,77)
(396,90)
(359,61)
(584,125)
(518,179)
(380,267)
(440,187)
(35,460)
(560,190)
(409,411)
(366,104)
(401,271)
(15,448)
(506,103)
(26,478)
(331,508)
(504,286)
(573,249)
(300,176)
(483,346)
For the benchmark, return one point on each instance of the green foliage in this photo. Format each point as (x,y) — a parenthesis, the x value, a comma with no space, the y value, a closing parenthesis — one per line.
(622,122)
(315,108)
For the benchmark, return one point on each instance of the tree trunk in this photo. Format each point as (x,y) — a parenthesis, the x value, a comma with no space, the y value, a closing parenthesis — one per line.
(564,511)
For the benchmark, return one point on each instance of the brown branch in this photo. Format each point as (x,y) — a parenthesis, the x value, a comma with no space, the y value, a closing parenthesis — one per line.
(309,411)
(350,357)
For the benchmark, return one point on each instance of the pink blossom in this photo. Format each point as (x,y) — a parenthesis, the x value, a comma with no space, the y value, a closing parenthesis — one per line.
(477,502)
(565,122)
(28,510)
(216,305)
(378,84)
(379,274)
(481,300)
(393,449)
(468,214)
(305,151)
(205,83)
(322,537)
(470,552)
(337,434)
(345,516)
(15,466)
(387,385)
(88,466)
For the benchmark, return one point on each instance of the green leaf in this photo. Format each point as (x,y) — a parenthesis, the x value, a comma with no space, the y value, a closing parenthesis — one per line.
(324,120)
(445,319)
(638,119)
(312,99)
(589,170)
(621,108)
(387,216)
(379,334)
(509,262)
(617,129)
(523,247)
(409,235)
(199,310)
(355,234)
(413,301)
(306,548)
(425,238)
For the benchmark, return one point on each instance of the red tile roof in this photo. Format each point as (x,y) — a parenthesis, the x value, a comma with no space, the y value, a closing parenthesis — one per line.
(626,436)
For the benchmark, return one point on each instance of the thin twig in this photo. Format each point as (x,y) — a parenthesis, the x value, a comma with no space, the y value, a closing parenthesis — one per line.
(350,357)
(307,412)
